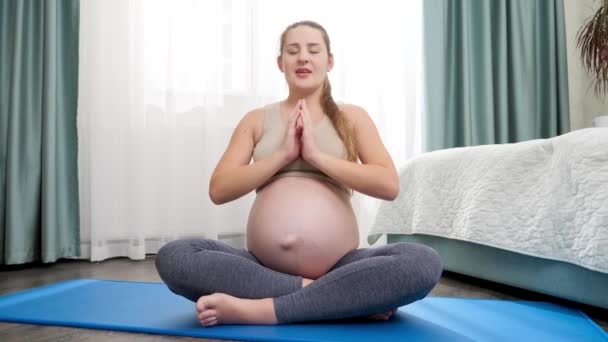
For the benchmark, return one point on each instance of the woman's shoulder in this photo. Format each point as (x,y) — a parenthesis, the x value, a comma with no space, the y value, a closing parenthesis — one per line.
(258,113)
(255,119)
(353,112)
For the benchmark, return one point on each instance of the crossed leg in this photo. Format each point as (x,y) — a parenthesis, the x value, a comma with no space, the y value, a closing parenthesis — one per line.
(231,286)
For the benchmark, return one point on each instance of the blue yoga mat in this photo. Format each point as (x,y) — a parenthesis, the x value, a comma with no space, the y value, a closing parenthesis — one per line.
(152,308)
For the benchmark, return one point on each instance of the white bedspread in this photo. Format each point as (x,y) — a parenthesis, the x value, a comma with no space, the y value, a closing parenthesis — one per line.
(546,198)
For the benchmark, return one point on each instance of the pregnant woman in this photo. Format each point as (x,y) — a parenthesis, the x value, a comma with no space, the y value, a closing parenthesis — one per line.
(302,261)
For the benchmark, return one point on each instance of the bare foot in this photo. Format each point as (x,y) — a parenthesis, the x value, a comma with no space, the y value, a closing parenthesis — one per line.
(306,281)
(385,316)
(220,308)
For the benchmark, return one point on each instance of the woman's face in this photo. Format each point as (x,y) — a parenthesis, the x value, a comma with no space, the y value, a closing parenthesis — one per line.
(304,59)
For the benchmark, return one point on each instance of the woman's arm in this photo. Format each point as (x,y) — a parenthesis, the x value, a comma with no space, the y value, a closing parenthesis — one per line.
(376,175)
(234,176)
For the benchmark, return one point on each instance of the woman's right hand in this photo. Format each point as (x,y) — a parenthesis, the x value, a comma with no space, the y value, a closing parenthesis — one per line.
(293,133)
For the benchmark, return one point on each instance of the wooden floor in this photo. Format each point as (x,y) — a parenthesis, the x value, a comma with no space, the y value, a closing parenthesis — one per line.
(13,279)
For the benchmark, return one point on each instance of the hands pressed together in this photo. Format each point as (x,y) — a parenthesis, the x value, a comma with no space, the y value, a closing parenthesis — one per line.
(299,136)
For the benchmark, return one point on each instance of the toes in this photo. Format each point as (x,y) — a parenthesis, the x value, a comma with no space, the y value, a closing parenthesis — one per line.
(381,316)
(206,302)
(207,314)
(211,321)
(200,304)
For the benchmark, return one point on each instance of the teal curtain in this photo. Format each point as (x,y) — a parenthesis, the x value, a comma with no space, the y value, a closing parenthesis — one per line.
(39,219)
(495,71)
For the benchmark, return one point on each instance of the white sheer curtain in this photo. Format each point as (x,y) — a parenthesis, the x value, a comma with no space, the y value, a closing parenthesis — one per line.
(163,83)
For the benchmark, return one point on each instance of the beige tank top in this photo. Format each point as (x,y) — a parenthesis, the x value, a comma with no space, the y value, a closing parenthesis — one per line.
(273,134)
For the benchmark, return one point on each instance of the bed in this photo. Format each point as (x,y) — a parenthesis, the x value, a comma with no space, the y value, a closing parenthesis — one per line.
(532,214)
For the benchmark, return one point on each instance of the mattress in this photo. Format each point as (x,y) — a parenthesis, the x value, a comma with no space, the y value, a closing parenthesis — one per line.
(546,198)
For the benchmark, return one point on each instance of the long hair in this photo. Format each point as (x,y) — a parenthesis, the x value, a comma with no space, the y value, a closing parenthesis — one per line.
(331,109)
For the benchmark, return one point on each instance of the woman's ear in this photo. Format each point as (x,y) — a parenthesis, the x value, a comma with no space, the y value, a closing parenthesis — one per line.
(330,62)
(280,63)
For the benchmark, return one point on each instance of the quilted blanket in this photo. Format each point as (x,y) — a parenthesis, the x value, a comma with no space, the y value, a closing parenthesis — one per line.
(546,198)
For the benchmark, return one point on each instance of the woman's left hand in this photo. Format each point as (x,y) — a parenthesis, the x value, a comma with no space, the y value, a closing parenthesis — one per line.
(308,146)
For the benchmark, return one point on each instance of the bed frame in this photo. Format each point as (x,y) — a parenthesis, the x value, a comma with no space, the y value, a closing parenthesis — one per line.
(546,276)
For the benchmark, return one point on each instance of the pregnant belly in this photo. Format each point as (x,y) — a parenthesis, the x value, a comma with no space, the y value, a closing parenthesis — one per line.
(301,226)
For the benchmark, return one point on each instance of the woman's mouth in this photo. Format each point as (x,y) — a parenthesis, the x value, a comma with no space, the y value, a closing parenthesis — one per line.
(303,72)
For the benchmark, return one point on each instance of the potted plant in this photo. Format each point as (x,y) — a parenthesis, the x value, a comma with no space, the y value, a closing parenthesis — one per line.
(592,39)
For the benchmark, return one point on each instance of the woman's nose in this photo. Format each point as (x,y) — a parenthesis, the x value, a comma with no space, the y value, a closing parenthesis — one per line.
(303,58)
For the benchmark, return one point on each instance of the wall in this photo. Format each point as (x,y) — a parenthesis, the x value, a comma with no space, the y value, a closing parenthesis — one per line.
(584,104)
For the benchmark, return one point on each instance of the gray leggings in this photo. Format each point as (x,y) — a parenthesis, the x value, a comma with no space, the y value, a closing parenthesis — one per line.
(364,282)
